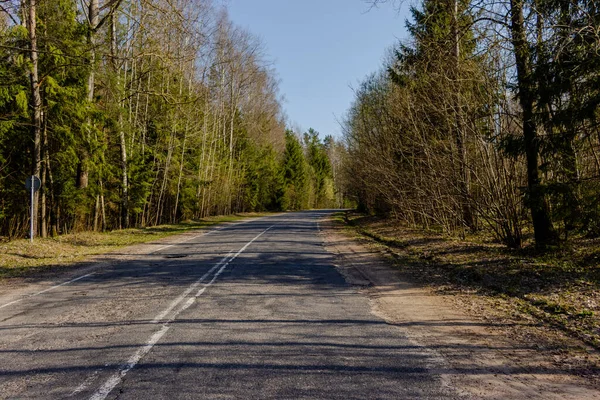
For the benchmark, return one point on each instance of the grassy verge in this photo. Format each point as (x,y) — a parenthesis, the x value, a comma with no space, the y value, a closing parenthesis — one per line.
(559,290)
(20,258)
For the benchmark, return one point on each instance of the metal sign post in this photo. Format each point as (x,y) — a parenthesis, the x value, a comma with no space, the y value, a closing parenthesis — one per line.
(32,184)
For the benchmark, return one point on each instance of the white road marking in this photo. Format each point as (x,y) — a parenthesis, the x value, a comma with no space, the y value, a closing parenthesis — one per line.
(46,290)
(205,234)
(86,383)
(92,273)
(117,377)
(179,299)
(184,241)
(114,380)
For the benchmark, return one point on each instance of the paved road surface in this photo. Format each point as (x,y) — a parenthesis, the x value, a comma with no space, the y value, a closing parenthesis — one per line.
(254,310)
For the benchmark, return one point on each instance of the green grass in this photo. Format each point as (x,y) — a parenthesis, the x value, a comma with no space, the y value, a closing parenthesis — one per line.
(20,258)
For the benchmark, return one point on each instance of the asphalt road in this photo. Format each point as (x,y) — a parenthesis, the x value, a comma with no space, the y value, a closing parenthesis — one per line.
(253,310)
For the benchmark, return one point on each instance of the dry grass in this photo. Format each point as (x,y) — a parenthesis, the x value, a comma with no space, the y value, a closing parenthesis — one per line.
(559,289)
(20,258)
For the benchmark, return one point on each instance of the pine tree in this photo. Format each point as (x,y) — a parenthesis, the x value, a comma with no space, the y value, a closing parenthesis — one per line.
(567,76)
(294,175)
(320,168)
(438,67)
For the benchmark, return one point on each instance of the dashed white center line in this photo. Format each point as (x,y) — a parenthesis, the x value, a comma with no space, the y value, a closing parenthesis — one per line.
(185,241)
(117,377)
(86,383)
(179,299)
(92,273)
(205,234)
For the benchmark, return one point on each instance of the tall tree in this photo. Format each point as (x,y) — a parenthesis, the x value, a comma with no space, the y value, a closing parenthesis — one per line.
(320,166)
(36,103)
(526,91)
(295,179)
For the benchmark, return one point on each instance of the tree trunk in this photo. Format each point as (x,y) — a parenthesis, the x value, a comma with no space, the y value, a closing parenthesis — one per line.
(44,190)
(93,15)
(103,208)
(124,217)
(36,106)
(124,178)
(180,177)
(460,136)
(93,24)
(97,213)
(544,232)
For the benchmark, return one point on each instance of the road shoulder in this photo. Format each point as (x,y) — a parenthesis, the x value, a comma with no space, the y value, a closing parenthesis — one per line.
(480,359)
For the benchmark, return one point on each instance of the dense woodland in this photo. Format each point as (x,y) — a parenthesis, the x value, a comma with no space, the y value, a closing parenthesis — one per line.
(142,112)
(486,119)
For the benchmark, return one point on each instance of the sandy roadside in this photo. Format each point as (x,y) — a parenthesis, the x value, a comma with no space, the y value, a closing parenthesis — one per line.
(480,359)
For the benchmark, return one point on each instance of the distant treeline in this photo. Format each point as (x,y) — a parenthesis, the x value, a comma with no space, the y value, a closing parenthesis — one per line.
(142,112)
(487,118)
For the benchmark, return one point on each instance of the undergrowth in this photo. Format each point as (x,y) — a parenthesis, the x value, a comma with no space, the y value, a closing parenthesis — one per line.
(559,288)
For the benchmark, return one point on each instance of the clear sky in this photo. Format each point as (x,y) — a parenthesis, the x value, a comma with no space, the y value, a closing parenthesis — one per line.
(320,49)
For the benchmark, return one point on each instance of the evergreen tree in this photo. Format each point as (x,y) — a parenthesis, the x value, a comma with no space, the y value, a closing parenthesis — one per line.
(15,148)
(294,175)
(138,121)
(438,69)
(320,168)
(567,75)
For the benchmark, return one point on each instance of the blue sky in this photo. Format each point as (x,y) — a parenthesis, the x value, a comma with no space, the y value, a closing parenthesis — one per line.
(320,49)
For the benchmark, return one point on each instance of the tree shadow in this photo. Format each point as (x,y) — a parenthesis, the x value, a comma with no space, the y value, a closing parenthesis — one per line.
(280,314)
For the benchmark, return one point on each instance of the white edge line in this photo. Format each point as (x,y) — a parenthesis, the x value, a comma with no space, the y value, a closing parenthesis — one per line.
(47,290)
(117,377)
(92,273)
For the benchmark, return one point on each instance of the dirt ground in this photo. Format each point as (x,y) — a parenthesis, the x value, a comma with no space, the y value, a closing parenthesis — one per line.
(487,354)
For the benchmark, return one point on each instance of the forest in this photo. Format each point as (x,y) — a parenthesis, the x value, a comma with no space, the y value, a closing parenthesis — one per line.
(135,113)
(485,119)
